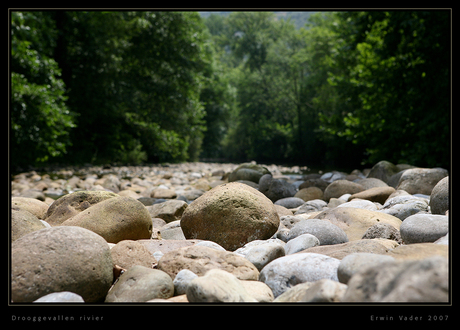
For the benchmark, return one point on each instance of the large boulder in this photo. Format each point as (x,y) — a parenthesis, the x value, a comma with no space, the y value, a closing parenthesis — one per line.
(200,259)
(115,219)
(231,215)
(421,180)
(60,259)
(439,200)
(70,205)
(248,172)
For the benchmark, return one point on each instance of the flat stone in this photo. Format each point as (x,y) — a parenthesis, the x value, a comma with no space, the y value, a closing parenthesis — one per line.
(200,259)
(340,251)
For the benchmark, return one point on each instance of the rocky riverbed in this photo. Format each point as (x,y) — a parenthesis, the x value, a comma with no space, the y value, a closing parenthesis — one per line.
(211,232)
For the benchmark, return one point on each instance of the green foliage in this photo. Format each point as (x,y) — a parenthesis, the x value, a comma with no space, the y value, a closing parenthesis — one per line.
(392,77)
(347,89)
(40,119)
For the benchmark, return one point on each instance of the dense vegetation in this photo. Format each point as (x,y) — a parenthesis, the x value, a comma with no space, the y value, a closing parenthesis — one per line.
(347,89)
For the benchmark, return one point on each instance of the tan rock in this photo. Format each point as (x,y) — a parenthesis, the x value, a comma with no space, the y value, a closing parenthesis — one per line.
(341,187)
(69,205)
(310,193)
(32,205)
(419,251)
(128,253)
(217,285)
(231,215)
(340,251)
(115,219)
(200,259)
(164,193)
(168,211)
(60,259)
(376,194)
(355,222)
(23,223)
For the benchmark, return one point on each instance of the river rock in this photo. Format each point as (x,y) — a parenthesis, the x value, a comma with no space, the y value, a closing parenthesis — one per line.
(340,251)
(333,176)
(383,170)
(290,202)
(294,294)
(23,223)
(217,285)
(418,251)
(60,297)
(310,193)
(419,281)
(340,187)
(315,205)
(355,222)
(231,215)
(360,204)
(70,205)
(301,243)
(140,284)
(383,230)
(376,194)
(200,259)
(326,232)
(249,172)
(439,200)
(403,206)
(353,263)
(258,290)
(182,280)
(115,219)
(60,259)
(323,291)
(288,221)
(421,180)
(261,252)
(369,183)
(168,211)
(423,228)
(128,253)
(275,189)
(285,272)
(31,205)
(314,182)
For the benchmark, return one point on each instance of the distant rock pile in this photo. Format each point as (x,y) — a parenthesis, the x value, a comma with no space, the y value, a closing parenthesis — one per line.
(209,232)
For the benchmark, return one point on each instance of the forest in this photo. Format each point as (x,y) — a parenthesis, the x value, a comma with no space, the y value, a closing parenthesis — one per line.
(345,89)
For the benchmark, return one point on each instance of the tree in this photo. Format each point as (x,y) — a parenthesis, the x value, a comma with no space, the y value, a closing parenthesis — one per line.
(40,118)
(386,65)
(135,78)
